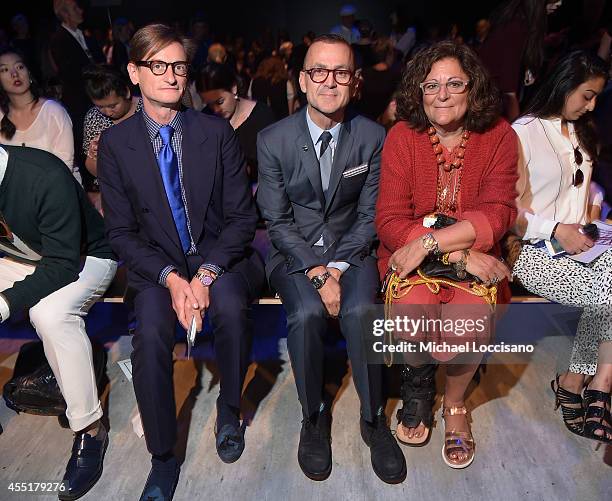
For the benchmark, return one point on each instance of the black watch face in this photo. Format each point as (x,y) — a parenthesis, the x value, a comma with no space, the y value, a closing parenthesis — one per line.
(317,282)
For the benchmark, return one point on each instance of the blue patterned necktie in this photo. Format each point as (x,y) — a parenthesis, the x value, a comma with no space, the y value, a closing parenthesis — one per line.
(168,166)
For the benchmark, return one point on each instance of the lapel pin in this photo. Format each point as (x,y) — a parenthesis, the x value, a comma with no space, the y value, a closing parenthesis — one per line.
(305,147)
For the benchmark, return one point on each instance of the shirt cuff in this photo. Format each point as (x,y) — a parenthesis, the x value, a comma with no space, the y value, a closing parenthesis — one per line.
(5,311)
(538,228)
(217,270)
(339,265)
(163,275)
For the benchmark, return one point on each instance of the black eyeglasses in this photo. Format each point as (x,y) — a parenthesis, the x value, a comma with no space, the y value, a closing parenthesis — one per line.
(180,68)
(578,177)
(319,75)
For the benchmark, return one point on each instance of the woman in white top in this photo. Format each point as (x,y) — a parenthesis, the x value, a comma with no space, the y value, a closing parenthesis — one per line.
(558,145)
(26,119)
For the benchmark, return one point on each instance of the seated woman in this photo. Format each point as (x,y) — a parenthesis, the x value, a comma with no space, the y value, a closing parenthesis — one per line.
(217,85)
(271,84)
(113,102)
(558,146)
(26,118)
(449,155)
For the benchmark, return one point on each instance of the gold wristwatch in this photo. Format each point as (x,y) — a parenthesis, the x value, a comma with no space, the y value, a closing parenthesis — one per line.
(430,244)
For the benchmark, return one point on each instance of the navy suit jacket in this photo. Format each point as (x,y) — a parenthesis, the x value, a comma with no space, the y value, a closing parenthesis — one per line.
(291,198)
(138,219)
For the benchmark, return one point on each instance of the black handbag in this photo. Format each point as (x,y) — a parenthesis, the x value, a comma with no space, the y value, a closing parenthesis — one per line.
(34,389)
(433,266)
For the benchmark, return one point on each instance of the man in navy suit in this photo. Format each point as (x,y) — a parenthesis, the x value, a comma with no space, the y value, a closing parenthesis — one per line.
(179,212)
(318,183)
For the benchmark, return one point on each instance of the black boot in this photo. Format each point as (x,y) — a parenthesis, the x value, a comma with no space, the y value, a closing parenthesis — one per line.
(314,451)
(418,392)
(387,458)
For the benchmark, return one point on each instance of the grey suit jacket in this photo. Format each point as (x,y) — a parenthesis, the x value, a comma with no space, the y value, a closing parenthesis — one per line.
(291,198)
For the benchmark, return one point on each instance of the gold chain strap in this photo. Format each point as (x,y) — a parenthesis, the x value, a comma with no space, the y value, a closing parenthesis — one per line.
(397,288)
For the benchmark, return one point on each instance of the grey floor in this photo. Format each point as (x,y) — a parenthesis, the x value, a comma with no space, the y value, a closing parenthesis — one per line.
(523,451)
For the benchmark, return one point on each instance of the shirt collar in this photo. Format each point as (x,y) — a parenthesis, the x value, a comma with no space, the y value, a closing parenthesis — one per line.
(76,32)
(153,127)
(3,163)
(316,131)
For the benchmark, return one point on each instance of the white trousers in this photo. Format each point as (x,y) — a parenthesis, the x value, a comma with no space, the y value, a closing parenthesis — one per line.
(59,320)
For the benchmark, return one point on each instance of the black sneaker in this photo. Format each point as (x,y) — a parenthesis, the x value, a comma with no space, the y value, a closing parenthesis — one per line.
(387,458)
(314,451)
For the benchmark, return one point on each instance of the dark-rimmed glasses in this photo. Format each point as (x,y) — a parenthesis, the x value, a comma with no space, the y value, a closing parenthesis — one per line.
(319,75)
(180,68)
(578,177)
(452,86)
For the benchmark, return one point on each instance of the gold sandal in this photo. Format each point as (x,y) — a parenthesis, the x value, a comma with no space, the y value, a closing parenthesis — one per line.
(456,442)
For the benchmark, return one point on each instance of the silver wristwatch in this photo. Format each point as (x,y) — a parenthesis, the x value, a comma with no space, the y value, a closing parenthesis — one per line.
(318,281)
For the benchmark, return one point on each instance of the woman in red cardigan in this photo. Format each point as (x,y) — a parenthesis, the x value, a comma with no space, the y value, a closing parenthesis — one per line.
(450,155)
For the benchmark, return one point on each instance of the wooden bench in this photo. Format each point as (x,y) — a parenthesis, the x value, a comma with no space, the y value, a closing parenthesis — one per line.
(116,293)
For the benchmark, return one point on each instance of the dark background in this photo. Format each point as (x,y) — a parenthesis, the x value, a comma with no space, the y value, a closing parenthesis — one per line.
(250,18)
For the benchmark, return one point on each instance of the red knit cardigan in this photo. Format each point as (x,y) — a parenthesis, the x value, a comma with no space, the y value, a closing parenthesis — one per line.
(408,182)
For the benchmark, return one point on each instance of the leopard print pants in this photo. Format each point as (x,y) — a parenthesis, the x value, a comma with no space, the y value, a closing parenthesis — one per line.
(565,281)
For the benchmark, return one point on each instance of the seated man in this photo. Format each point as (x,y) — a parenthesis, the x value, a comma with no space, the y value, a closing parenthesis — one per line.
(179,211)
(57,263)
(318,181)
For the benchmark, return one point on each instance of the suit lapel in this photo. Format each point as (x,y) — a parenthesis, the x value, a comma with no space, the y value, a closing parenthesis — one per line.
(199,164)
(308,158)
(345,145)
(145,172)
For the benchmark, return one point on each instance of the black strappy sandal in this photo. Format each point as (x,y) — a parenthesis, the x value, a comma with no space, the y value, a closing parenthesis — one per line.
(573,417)
(596,416)
(418,392)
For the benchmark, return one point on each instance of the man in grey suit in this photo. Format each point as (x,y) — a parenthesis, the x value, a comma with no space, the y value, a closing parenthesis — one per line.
(318,182)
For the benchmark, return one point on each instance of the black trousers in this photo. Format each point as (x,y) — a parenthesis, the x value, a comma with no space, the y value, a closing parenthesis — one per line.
(307,323)
(153,343)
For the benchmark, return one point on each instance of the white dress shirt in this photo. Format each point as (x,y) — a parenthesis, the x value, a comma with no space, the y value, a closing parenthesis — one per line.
(546,171)
(315,135)
(79,37)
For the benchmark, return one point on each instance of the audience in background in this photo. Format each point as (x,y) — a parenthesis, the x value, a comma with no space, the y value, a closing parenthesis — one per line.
(26,118)
(217,86)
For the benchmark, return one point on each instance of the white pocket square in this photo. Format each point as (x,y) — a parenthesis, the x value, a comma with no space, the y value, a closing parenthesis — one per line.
(355,171)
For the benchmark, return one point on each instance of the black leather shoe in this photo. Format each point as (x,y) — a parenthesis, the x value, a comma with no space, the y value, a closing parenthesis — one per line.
(314,451)
(85,464)
(160,485)
(230,443)
(387,458)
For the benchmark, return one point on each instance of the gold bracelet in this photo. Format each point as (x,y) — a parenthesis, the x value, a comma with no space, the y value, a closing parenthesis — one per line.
(461,265)
(445,258)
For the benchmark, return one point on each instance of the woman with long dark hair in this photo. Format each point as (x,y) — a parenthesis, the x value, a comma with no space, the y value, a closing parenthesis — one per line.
(26,118)
(218,87)
(558,146)
(515,47)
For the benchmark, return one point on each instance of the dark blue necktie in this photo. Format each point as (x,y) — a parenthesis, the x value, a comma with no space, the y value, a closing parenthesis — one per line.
(168,166)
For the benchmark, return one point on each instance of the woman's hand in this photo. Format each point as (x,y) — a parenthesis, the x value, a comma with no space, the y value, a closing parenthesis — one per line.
(408,258)
(571,239)
(92,151)
(489,269)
